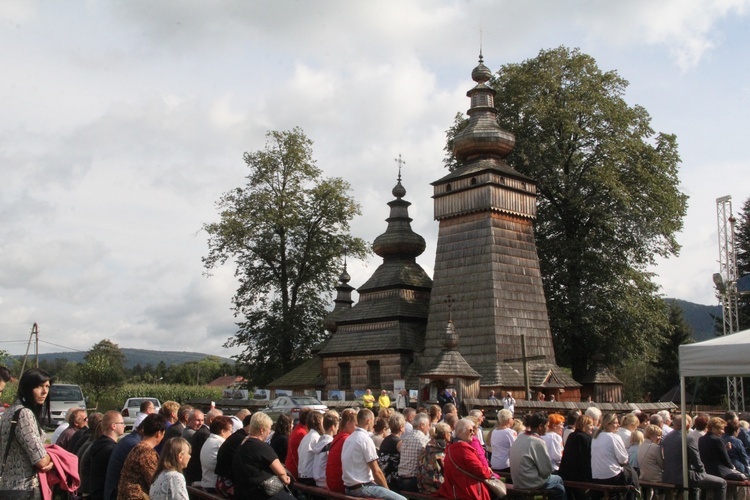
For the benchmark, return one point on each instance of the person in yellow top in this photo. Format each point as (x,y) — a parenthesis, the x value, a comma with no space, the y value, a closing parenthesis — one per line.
(368,399)
(384,401)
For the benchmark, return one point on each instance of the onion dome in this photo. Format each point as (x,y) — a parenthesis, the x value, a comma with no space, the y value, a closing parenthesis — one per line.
(399,239)
(482,136)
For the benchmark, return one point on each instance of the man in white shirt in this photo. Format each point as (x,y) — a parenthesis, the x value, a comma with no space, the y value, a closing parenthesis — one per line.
(361,473)
(409,414)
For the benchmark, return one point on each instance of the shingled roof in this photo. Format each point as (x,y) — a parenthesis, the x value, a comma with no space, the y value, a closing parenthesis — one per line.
(308,374)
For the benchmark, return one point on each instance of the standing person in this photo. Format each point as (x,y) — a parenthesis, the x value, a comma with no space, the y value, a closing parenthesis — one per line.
(530,466)
(280,439)
(140,465)
(112,426)
(401,400)
(335,467)
(608,454)
(368,400)
(168,482)
(509,403)
(255,462)
(295,438)
(384,401)
(502,438)
(576,460)
(26,454)
(492,396)
(463,471)
(361,473)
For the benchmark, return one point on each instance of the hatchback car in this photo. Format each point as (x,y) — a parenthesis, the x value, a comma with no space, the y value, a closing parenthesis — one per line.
(133,406)
(291,405)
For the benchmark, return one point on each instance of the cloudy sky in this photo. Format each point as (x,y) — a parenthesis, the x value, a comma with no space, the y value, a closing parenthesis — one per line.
(121,123)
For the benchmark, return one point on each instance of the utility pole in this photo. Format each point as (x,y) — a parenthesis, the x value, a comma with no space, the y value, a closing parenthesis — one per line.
(726,285)
(34,335)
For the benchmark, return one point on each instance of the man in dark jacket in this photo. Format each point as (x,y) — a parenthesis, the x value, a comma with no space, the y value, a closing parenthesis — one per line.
(113,426)
(697,477)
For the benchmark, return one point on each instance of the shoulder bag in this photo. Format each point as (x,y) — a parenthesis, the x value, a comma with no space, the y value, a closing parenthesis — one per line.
(496,487)
(13,494)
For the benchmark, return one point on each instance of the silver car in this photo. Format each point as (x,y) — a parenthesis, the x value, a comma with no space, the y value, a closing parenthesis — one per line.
(291,405)
(133,405)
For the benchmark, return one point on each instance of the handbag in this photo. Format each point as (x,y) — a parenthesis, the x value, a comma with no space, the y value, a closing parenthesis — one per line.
(496,487)
(13,494)
(272,485)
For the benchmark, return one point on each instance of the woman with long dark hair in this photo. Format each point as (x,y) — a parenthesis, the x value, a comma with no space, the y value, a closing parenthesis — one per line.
(25,448)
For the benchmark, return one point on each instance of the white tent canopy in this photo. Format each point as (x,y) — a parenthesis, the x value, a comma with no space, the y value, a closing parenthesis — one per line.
(726,356)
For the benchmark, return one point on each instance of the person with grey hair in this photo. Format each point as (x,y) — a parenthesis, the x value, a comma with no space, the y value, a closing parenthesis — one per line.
(595,414)
(501,439)
(463,471)
(410,448)
(667,419)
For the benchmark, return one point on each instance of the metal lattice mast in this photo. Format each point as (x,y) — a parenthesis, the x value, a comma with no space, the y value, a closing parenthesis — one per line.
(726,283)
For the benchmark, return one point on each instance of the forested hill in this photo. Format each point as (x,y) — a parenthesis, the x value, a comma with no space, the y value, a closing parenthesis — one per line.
(137,356)
(699,317)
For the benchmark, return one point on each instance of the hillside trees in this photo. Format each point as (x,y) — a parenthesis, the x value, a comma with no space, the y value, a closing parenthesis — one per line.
(286,231)
(608,200)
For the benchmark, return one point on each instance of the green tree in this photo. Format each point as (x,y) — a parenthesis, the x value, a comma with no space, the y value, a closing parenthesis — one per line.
(742,245)
(666,365)
(286,231)
(102,369)
(608,204)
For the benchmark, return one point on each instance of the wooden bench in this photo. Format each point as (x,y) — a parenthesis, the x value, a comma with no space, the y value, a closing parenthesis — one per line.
(321,492)
(606,489)
(198,493)
(416,495)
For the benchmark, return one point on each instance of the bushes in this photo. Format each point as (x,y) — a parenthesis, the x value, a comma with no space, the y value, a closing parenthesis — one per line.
(113,400)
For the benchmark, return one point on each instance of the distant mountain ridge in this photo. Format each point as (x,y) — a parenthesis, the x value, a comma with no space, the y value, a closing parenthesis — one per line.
(699,317)
(137,356)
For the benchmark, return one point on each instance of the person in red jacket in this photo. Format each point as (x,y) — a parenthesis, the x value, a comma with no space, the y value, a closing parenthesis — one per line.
(295,438)
(464,471)
(334,467)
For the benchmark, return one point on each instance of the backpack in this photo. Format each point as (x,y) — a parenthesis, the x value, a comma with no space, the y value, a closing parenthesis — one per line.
(430,468)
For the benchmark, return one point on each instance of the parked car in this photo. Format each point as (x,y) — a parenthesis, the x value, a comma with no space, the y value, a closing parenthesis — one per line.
(291,405)
(133,406)
(62,397)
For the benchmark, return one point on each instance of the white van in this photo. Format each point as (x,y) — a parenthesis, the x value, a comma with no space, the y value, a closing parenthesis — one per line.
(62,397)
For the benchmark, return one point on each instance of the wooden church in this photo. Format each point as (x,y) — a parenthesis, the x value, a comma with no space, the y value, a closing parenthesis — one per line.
(465,327)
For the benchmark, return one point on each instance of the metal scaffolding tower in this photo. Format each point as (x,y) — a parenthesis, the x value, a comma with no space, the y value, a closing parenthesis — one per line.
(726,285)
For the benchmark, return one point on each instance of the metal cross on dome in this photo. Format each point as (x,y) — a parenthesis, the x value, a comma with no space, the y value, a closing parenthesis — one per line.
(400,164)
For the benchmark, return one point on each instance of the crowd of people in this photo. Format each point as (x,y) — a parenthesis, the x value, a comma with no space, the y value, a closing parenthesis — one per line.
(358,452)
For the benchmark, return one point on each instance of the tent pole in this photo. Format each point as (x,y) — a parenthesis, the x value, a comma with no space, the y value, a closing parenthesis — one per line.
(685,483)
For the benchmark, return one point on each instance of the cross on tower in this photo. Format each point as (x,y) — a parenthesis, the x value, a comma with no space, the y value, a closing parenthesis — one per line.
(400,164)
(525,360)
